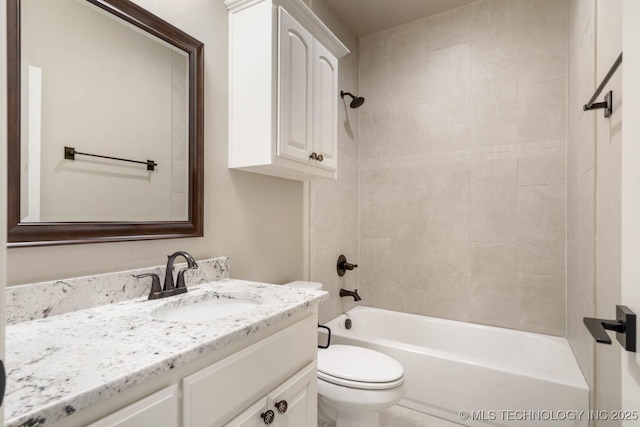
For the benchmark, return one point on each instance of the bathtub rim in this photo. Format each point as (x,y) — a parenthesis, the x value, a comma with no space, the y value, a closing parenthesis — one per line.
(579,381)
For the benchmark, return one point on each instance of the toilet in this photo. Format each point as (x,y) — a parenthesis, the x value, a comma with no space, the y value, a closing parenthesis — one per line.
(355,383)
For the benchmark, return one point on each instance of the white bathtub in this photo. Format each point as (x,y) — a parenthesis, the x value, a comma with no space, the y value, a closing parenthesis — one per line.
(501,377)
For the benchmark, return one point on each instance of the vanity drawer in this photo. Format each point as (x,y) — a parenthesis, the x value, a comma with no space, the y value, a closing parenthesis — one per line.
(215,394)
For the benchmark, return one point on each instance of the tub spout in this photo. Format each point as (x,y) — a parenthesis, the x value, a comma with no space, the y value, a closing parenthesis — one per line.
(354,294)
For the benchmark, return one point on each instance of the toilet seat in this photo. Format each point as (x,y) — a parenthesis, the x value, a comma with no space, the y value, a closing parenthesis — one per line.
(358,367)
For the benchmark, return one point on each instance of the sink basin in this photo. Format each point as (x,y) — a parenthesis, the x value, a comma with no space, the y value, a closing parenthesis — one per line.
(205,311)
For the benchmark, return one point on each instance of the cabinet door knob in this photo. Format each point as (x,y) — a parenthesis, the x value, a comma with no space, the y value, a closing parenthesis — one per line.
(268,417)
(282,407)
(313,156)
(320,157)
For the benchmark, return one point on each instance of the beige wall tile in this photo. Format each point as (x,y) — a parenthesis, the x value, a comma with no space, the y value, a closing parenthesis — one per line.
(387,295)
(456,122)
(446,139)
(493,30)
(493,207)
(448,189)
(410,177)
(375,259)
(542,35)
(408,267)
(448,28)
(408,131)
(541,170)
(375,183)
(376,218)
(586,277)
(584,143)
(587,203)
(493,135)
(494,270)
(535,123)
(322,207)
(494,93)
(579,337)
(449,305)
(449,85)
(447,263)
(541,304)
(581,160)
(375,60)
(448,237)
(541,213)
(494,310)
(410,220)
(409,64)
(540,258)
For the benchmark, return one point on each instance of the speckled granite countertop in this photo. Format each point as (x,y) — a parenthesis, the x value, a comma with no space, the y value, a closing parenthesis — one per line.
(62,364)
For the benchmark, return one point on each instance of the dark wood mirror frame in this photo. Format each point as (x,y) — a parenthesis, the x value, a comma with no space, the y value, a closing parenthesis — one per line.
(60,233)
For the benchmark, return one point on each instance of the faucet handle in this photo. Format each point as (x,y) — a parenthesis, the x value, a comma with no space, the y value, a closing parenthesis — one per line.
(155,283)
(181,283)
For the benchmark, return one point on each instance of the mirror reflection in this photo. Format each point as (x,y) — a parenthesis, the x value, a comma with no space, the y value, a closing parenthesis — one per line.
(94,83)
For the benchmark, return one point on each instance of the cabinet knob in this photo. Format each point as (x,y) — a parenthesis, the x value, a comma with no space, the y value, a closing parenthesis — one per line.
(268,417)
(313,156)
(282,407)
(320,157)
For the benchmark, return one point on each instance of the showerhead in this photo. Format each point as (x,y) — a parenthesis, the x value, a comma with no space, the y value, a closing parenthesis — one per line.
(356,102)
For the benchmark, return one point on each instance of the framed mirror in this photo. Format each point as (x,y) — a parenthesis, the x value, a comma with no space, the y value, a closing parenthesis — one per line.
(105,120)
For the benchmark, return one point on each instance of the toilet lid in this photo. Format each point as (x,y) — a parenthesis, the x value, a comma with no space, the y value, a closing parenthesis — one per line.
(352,366)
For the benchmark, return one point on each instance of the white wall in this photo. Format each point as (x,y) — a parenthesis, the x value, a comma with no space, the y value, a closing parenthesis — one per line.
(254,219)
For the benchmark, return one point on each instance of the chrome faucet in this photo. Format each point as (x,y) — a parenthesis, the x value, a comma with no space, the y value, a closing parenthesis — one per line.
(354,294)
(169,288)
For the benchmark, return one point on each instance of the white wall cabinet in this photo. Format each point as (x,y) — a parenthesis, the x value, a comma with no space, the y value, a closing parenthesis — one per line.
(296,89)
(283,90)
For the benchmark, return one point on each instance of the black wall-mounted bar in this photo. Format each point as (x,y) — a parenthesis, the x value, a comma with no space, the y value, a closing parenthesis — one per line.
(70,154)
(608,99)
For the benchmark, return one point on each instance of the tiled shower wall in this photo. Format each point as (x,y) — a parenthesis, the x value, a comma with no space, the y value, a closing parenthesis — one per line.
(581,184)
(333,206)
(462,165)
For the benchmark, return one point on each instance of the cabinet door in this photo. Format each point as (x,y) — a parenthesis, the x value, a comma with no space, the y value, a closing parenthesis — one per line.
(300,394)
(159,409)
(295,82)
(252,417)
(325,106)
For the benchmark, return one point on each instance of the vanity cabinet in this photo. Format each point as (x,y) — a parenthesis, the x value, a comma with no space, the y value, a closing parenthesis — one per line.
(158,409)
(233,390)
(299,394)
(230,389)
(283,90)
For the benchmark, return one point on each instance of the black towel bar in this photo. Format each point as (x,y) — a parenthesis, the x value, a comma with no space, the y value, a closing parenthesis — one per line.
(607,104)
(70,154)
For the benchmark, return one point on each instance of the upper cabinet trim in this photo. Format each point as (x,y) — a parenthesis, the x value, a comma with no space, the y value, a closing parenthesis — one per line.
(303,14)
